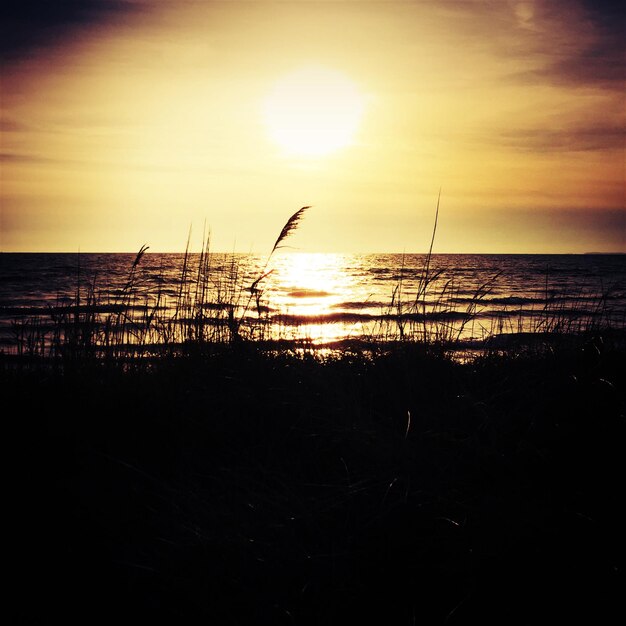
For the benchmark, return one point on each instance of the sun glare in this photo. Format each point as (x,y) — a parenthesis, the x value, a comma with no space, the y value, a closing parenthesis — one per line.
(313,111)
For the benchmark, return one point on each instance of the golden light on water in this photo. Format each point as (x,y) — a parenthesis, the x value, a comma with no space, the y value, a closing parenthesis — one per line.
(312,286)
(313,111)
(314,280)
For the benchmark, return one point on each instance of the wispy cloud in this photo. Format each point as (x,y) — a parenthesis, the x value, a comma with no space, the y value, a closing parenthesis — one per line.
(29,25)
(13,126)
(591,137)
(10,157)
(581,40)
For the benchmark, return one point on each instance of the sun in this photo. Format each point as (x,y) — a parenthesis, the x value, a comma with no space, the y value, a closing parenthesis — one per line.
(313,111)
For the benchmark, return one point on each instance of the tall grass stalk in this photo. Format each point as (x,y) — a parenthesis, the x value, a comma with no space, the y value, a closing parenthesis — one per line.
(291,225)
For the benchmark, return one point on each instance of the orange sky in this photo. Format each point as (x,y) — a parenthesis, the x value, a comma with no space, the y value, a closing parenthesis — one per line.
(125,122)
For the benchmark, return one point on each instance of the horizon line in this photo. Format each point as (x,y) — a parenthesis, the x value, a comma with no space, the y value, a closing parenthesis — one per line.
(589,253)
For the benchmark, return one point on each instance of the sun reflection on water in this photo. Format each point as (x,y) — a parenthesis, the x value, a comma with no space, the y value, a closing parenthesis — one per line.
(310,288)
(314,298)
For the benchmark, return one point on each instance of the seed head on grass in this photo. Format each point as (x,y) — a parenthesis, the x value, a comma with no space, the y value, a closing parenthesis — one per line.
(289,227)
(140,254)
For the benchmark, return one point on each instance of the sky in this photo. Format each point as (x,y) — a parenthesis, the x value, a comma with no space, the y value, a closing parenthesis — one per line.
(130,122)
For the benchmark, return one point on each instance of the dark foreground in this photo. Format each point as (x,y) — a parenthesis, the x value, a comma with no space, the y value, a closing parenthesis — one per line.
(244,488)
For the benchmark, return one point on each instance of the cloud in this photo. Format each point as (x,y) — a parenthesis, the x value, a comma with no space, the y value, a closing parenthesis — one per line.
(571,43)
(9,157)
(36,159)
(28,25)
(591,137)
(592,51)
(609,14)
(12,126)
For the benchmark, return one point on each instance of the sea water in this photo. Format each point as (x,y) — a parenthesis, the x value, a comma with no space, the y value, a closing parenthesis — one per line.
(318,297)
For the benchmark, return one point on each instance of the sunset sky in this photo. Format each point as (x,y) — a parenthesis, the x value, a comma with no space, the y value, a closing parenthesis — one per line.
(125,122)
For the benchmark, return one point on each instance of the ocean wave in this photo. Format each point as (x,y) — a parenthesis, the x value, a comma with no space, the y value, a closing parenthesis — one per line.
(62,310)
(355,318)
(366,304)
(308,293)
(503,300)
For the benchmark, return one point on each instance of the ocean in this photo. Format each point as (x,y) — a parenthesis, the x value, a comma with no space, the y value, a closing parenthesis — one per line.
(316,298)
